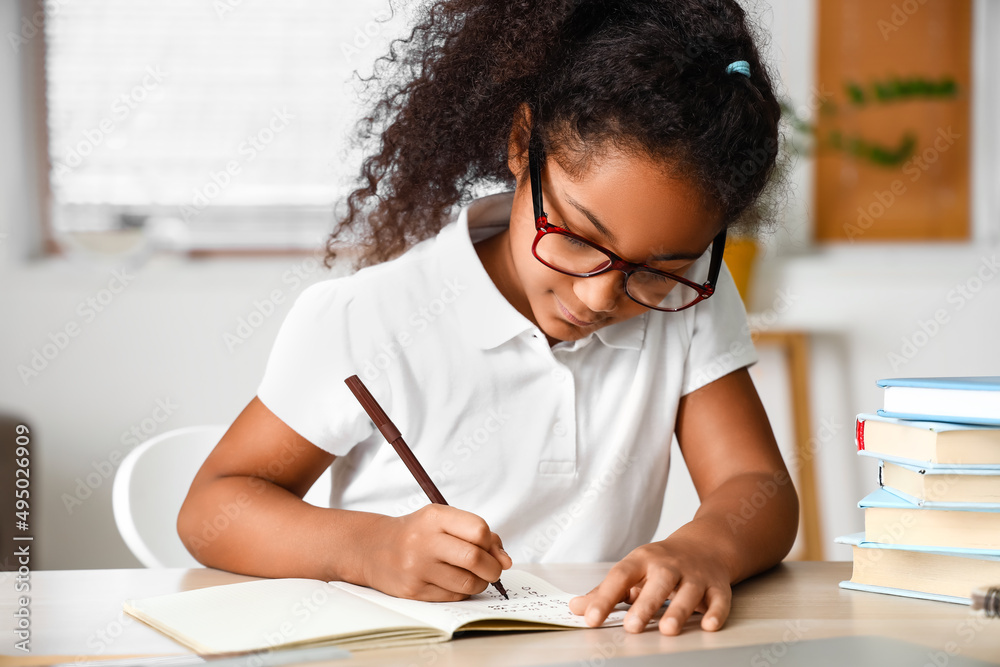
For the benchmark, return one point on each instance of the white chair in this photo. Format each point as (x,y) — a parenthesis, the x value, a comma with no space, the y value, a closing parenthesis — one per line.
(151,484)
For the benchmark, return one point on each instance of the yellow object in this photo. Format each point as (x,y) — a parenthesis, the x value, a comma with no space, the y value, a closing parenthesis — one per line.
(739,257)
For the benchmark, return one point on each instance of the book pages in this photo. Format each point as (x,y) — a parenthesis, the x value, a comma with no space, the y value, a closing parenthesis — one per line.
(533,601)
(274,612)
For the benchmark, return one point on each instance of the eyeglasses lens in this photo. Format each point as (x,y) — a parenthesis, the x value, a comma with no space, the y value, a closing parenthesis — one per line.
(571,256)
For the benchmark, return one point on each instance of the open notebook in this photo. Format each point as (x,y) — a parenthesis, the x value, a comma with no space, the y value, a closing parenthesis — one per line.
(269,613)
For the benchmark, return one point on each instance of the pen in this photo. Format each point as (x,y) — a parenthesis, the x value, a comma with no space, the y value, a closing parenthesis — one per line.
(395,438)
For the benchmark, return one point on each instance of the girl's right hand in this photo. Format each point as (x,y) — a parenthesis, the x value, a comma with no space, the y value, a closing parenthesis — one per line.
(438,553)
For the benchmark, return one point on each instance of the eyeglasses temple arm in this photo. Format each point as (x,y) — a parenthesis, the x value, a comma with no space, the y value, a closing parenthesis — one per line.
(718,247)
(535,174)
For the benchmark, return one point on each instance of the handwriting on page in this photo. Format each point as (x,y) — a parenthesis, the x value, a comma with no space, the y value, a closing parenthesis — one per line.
(525,603)
(525,600)
(531,599)
(522,597)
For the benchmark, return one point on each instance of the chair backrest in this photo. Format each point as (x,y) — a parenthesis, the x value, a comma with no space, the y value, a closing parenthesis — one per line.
(151,484)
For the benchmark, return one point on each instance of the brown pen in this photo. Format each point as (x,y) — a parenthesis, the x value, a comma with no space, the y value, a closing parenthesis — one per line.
(395,438)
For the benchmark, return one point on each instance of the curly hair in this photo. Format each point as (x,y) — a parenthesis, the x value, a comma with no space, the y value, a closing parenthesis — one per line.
(644,76)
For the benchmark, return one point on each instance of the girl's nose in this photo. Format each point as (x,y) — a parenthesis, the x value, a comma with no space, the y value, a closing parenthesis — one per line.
(600,293)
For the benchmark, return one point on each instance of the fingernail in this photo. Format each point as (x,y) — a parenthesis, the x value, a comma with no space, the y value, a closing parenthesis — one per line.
(711,623)
(593,617)
(670,626)
(634,624)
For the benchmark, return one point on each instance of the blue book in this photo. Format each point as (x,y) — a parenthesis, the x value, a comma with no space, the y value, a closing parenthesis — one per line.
(904,592)
(858,539)
(936,488)
(893,520)
(942,574)
(969,400)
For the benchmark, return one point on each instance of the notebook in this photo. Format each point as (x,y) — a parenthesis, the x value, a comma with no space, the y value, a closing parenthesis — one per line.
(271,613)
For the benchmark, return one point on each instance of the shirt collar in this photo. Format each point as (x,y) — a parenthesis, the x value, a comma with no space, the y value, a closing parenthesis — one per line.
(487,316)
(627,335)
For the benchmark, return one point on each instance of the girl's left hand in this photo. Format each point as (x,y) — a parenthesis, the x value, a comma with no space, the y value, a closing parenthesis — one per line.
(690,574)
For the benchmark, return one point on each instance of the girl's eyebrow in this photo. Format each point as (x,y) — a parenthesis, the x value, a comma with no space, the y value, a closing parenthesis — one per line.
(599,226)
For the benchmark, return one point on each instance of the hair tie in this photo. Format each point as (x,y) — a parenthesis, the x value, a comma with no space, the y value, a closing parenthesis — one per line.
(741,66)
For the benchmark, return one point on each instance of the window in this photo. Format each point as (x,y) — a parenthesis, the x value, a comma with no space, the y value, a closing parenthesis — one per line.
(207,124)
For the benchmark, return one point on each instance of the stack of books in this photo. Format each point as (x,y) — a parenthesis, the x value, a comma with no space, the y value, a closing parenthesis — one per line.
(932,528)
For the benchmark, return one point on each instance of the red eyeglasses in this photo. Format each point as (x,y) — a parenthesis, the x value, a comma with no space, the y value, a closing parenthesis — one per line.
(563,251)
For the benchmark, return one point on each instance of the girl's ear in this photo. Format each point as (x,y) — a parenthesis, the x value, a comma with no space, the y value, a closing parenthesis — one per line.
(517,144)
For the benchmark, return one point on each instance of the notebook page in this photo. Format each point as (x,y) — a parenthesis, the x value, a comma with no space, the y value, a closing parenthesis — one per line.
(271,612)
(531,599)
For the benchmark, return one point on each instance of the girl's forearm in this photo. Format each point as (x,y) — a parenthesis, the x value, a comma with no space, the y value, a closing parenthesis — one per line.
(252,526)
(751,520)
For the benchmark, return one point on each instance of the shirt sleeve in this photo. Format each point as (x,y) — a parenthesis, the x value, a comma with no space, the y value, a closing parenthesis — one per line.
(303,383)
(720,339)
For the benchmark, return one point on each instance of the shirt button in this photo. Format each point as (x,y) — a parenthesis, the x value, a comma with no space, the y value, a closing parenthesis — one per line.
(559,429)
(559,374)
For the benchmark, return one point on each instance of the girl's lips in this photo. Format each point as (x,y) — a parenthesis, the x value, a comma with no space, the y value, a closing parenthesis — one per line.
(572,318)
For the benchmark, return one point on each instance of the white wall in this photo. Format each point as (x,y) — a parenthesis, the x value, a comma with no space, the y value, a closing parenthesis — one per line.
(161,338)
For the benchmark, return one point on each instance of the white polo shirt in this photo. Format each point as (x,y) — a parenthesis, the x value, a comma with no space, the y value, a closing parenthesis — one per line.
(564,451)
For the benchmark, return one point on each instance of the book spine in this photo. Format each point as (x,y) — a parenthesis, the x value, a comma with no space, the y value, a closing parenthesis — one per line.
(859,434)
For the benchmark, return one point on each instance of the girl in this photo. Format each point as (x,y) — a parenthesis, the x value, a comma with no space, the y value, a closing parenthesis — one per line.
(539,349)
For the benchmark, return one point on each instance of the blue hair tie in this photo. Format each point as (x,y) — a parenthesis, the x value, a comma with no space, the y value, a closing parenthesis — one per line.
(741,66)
